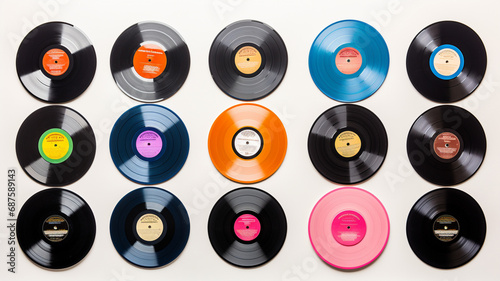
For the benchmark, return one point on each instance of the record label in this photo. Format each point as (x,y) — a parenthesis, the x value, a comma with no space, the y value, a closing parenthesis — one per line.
(446,228)
(149,227)
(348,60)
(149,144)
(349,228)
(348,144)
(248,60)
(150,61)
(55,146)
(446,145)
(55,228)
(247,143)
(447,61)
(247,227)
(56,62)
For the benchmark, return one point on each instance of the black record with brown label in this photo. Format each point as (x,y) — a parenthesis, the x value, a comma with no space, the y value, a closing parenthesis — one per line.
(56,62)
(347,144)
(446,145)
(149,227)
(446,228)
(248,60)
(55,228)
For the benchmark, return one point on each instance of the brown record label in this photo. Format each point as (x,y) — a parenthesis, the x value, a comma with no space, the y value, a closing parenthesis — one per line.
(149,227)
(55,228)
(446,228)
(248,60)
(446,145)
(348,60)
(348,144)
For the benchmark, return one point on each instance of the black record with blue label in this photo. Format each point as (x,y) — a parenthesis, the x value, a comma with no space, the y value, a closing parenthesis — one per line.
(149,227)
(349,61)
(446,61)
(149,144)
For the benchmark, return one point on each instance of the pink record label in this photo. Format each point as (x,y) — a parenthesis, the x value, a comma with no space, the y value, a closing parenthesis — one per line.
(349,228)
(247,227)
(348,60)
(149,144)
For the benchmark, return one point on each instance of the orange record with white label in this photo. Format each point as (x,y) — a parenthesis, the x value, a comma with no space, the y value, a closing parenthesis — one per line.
(247,143)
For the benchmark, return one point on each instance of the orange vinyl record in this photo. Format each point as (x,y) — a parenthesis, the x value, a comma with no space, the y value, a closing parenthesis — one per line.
(247,143)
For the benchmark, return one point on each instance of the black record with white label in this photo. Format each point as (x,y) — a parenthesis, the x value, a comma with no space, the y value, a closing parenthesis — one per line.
(247,227)
(55,228)
(446,228)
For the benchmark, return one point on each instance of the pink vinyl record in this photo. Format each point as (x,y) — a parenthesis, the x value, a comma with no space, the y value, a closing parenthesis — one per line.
(349,228)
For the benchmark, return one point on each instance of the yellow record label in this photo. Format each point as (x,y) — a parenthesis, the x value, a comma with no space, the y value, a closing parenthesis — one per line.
(248,60)
(149,227)
(348,144)
(55,145)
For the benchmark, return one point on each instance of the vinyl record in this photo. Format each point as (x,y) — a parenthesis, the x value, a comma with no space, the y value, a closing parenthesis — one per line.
(56,62)
(347,144)
(149,144)
(55,228)
(247,227)
(149,227)
(349,228)
(349,61)
(150,61)
(446,61)
(446,228)
(55,145)
(446,145)
(248,60)
(247,143)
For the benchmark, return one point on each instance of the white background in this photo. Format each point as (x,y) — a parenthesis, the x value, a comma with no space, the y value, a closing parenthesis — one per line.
(297,101)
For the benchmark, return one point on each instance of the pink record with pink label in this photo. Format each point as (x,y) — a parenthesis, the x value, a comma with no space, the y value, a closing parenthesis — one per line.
(349,228)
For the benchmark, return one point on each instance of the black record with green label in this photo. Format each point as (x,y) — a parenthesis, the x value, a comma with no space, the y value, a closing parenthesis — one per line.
(446,228)
(55,145)
(55,228)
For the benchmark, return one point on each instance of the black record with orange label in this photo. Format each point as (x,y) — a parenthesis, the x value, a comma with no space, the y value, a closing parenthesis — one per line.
(347,144)
(247,143)
(56,62)
(150,61)
(248,60)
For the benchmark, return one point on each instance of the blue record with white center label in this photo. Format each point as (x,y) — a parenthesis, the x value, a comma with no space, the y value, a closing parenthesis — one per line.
(349,61)
(149,144)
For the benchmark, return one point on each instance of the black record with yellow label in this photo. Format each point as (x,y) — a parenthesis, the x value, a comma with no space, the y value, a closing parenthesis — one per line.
(347,144)
(248,59)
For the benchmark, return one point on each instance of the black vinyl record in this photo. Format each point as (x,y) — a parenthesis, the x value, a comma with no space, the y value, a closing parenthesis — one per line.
(446,145)
(247,227)
(55,228)
(446,61)
(446,228)
(248,60)
(149,227)
(347,144)
(56,62)
(55,145)
(150,61)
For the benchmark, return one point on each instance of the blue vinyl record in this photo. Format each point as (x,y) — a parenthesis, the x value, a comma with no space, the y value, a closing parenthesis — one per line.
(149,227)
(149,144)
(349,61)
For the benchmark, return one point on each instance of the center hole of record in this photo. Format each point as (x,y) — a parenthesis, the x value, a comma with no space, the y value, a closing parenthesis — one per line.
(55,227)
(149,60)
(248,59)
(348,60)
(348,227)
(55,61)
(447,61)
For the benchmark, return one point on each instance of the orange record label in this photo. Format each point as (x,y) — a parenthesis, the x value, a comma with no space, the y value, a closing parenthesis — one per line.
(150,61)
(248,60)
(348,60)
(55,62)
(446,145)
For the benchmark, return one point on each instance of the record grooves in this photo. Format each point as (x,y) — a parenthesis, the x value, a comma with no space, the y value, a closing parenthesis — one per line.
(56,62)
(247,227)
(446,228)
